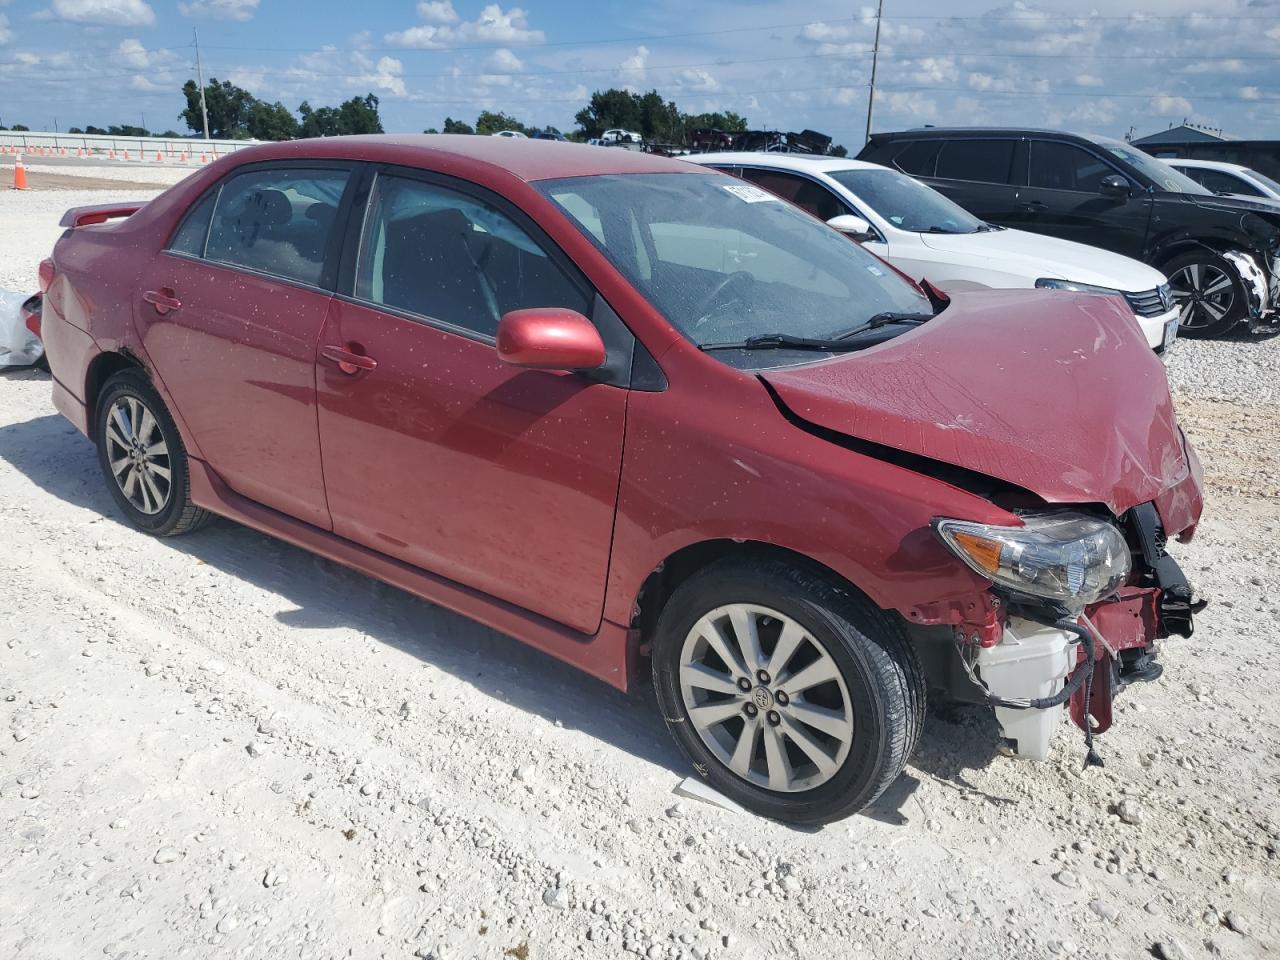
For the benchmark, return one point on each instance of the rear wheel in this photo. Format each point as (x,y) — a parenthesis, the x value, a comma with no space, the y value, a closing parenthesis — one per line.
(793,696)
(142,457)
(1208,292)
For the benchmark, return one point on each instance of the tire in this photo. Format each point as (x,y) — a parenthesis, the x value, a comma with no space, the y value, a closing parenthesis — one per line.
(152,503)
(1209,293)
(871,709)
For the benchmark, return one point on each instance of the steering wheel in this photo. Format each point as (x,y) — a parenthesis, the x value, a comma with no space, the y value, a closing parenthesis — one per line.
(705,309)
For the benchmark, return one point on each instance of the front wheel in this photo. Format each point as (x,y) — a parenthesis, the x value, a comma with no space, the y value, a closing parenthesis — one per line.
(1208,293)
(792,695)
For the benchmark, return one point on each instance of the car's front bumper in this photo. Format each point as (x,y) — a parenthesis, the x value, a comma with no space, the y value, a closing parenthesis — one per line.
(1161,330)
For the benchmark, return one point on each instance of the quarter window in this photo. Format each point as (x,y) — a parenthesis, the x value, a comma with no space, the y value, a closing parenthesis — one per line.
(918,158)
(277,222)
(438,253)
(1063,166)
(984,161)
(191,236)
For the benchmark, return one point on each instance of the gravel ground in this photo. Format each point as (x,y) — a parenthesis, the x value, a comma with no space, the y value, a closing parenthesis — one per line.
(219,745)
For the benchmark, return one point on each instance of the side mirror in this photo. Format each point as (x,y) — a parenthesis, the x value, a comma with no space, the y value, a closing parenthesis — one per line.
(855,228)
(1114,186)
(549,338)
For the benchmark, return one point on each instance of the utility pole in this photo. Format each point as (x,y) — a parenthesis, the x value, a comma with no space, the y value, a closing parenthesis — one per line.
(204,110)
(875,56)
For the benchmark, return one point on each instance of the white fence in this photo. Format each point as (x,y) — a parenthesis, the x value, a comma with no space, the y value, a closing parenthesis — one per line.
(38,143)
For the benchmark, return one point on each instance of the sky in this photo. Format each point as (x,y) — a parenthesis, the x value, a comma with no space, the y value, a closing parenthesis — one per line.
(1125,67)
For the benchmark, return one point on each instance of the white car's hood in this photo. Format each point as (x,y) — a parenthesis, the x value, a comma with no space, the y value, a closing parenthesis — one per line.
(1038,256)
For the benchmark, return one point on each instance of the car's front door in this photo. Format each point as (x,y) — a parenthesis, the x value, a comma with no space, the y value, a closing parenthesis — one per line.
(1064,198)
(230,317)
(437,453)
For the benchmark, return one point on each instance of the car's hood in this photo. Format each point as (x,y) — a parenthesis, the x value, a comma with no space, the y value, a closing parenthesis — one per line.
(1076,410)
(1036,256)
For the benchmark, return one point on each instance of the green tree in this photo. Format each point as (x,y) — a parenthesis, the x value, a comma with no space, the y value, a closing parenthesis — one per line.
(322,122)
(838,150)
(431,130)
(229,107)
(457,126)
(489,123)
(271,121)
(359,115)
(609,108)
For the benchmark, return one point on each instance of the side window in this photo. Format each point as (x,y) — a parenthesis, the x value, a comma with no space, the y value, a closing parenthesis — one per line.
(812,198)
(984,161)
(918,158)
(1064,166)
(277,222)
(191,236)
(442,254)
(1220,182)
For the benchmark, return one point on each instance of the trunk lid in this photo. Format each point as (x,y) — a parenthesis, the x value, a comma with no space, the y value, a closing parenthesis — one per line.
(1053,392)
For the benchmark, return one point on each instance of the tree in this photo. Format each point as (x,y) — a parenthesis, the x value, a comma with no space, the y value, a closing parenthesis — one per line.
(431,130)
(271,121)
(609,108)
(359,115)
(457,126)
(489,123)
(229,107)
(318,123)
(838,151)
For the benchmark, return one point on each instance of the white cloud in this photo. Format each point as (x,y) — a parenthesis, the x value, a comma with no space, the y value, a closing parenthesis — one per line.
(503,61)
(131,53)
(220,9)
(438,11)
(1089,80)
(1250,93)
(5,33)
(123,13)
(492,26)
(697,81)
(637,62)
(1165,105)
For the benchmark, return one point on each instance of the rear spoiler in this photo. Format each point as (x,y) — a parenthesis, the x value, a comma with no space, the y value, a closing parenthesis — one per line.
(98,213)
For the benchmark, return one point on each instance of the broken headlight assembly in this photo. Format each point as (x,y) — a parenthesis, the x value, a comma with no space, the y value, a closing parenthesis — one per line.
(1068,559)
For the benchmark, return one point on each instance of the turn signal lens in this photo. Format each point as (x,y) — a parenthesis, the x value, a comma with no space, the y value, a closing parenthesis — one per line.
(1069,558)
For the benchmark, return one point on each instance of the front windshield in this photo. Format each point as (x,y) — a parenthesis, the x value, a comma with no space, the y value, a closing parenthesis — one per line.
(1157,171)
(723,260)
(906,203)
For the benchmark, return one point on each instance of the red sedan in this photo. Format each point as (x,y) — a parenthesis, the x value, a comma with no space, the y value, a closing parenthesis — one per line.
(628,411)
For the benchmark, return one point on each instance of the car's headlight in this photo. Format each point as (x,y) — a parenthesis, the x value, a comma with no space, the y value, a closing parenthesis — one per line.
(1048,283)
(1069,558)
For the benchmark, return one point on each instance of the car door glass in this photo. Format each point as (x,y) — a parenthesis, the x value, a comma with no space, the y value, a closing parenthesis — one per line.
(190,237)
(813,198)
(1220,182)
(1064,166)
(277,222)
(982,161)
(438,253)
(918,158)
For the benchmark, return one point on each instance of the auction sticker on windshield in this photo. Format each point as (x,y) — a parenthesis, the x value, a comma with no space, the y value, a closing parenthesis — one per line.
(749,194)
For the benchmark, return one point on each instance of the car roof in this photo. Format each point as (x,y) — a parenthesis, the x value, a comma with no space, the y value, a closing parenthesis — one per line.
(926,132)
(784,161)
(524,158)
(1204,164)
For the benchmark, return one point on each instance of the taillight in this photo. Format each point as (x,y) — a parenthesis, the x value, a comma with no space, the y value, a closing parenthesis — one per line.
(46,274)
(32,320)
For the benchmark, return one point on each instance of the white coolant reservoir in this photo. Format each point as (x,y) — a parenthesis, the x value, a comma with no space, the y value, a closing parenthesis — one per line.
(1032,661)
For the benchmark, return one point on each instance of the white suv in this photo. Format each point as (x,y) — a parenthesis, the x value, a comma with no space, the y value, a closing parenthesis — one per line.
(928,236)
(1229,178)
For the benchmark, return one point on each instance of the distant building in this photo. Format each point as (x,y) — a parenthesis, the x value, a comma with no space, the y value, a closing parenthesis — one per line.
(1184,133)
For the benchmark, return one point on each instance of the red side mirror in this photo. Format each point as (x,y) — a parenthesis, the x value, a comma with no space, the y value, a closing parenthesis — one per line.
(549,338)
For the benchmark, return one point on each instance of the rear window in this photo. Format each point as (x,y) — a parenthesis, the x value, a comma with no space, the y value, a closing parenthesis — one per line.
(983,161)
(277,222)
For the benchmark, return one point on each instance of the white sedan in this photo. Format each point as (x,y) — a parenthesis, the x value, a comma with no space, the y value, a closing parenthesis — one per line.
(928,236)
(1229,178)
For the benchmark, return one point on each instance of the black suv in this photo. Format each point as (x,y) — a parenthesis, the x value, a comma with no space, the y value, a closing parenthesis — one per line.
(1221,254)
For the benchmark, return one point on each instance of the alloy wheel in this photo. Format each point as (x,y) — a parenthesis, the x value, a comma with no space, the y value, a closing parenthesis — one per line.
(766,698)
(139,455)
(1204,294)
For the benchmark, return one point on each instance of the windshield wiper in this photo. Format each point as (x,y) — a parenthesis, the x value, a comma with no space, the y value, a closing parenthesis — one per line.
(883,320)
(937,229)
(785,341)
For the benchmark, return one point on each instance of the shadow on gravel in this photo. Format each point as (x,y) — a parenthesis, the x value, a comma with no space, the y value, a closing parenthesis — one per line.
(55,457)
(58,459)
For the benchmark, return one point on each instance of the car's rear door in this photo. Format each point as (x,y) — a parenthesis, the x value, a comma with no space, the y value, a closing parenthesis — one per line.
(230,317)
(1063,198)
(437,453)
(980,174)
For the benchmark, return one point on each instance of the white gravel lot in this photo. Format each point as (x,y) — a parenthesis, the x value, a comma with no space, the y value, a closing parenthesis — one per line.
(219,745)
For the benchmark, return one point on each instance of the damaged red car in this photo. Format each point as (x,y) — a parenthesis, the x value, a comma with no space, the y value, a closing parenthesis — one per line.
(643,416)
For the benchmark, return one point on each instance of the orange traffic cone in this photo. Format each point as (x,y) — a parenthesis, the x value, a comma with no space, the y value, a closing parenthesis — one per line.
(158,157)
(19,174)
(126,154)
(203,158)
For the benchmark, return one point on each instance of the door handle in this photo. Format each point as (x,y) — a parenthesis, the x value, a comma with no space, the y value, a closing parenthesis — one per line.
(1033,206)
(163,300)
(347,361)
